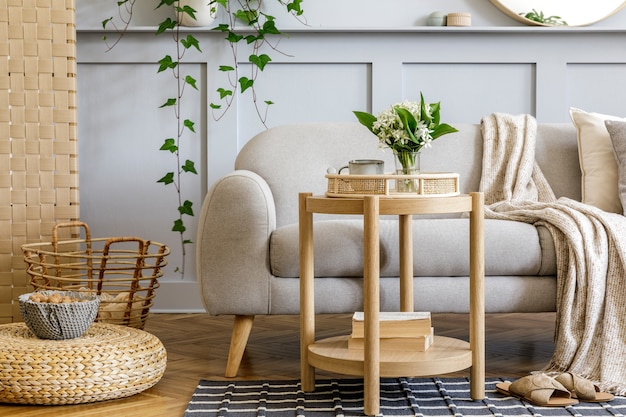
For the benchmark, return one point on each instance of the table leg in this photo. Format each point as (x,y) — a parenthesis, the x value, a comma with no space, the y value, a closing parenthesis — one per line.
(477,297)
(371,305)
(405,222)
(307,300)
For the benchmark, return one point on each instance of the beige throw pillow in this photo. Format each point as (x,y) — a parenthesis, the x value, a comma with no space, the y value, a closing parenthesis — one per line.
(617,132)
(597,160)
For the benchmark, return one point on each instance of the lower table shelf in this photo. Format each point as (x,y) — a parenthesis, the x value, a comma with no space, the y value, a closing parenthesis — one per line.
(445,355)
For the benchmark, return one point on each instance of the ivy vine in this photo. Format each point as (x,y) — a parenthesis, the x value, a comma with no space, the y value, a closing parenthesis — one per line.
(247,23)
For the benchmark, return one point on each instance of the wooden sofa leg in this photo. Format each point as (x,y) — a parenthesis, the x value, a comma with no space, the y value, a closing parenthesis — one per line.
(238,341)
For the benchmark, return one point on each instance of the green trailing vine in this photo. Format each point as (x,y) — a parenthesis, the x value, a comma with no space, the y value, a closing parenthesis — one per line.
(258,32)
(183,125)
(264,31)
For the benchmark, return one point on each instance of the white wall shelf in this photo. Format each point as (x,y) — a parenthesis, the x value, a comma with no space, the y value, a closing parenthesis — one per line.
(408,29)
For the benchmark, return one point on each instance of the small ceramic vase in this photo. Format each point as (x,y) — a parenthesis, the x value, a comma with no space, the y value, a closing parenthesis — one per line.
(436,19)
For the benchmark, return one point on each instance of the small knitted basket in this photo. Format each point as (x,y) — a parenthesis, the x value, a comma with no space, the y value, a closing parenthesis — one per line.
(59,321)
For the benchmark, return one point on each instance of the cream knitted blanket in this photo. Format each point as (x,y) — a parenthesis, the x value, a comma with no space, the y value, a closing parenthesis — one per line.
(590,333)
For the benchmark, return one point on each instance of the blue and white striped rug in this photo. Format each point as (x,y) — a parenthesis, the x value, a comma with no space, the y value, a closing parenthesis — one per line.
(399,397)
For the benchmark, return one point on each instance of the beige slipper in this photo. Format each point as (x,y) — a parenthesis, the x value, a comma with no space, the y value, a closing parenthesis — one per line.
(582,388)
(538,389)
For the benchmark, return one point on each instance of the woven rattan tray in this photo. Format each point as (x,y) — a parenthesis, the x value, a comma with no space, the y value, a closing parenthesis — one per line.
(428,184)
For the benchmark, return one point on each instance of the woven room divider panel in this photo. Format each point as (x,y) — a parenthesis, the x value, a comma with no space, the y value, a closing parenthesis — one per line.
(38,140)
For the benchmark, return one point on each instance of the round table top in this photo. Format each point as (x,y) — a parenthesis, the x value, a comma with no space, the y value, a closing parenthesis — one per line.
(389,205)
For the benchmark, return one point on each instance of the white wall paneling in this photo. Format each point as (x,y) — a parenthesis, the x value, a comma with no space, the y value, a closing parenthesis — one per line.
(473,90)
(122,129)
(327,90)
(597,86)
(326,74)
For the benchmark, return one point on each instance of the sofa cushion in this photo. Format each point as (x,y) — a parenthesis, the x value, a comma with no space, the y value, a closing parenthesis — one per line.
(597,160)
(441,248)
(617,131)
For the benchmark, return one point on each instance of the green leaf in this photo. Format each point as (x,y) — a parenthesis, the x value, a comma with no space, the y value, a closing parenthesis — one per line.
(423,113)
(163,3)
(222,27)
(188,10)
(179,226)
(269,102)
(295,7)
(169,102)
(186,208)
(166,63)
(191,81)
(269,27)
(105,22)
(187,241)
(169,145)
(167,179)
(260,60)
(408,121)
(215,106)
(224,93)
(435,110)
(442,129)
(253,38)
(226,68)
(189,167)
(191,41)
(245,83)
(233,37)
(366,119)
(189,125)
(168,23)
(247,16)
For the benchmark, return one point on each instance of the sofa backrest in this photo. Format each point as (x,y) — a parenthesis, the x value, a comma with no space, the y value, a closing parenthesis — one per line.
(294,158)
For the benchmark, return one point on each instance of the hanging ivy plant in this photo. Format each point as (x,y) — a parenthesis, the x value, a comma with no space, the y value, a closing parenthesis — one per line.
(264,32)
(248,24)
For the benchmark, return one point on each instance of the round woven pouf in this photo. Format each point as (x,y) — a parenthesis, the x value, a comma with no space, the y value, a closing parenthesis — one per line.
(108,361)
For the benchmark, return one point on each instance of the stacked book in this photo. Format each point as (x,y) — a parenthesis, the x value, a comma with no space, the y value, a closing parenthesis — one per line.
(400,331)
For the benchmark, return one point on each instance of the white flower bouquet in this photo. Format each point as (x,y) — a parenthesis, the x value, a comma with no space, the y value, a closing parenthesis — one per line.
(407,126)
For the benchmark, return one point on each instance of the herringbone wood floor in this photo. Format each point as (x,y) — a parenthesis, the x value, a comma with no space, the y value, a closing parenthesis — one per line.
(197,347)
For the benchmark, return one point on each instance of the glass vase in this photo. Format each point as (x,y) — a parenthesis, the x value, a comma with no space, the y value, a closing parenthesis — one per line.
(407,163)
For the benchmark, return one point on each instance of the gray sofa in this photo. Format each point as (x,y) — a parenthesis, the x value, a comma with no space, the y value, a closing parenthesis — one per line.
(247,243)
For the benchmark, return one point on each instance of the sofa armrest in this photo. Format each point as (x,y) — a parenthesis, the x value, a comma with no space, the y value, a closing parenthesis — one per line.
(232,245)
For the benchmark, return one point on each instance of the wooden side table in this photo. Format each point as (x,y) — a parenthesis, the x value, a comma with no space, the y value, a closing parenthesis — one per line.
(446,354)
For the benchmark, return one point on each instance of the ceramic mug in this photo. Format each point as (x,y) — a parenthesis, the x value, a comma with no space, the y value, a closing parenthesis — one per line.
(365,167)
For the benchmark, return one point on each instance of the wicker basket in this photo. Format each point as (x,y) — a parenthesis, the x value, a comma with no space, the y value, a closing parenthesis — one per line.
(431,184)
(59,321)
(123,271)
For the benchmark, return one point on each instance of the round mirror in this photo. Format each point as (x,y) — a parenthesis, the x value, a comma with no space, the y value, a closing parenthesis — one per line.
(559,12)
